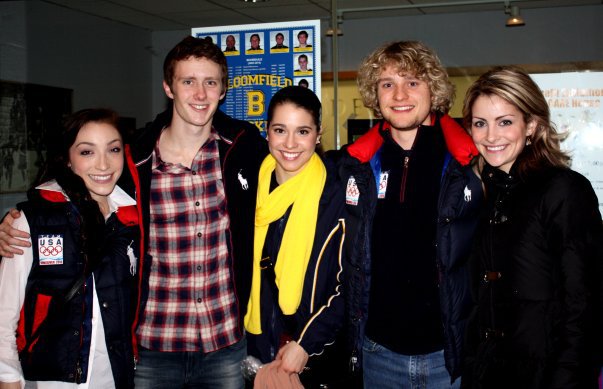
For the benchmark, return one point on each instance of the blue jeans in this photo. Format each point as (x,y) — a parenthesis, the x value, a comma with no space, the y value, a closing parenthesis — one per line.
(218,369)
(386,369)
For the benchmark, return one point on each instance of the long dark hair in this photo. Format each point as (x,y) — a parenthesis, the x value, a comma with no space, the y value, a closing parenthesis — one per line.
(57,167)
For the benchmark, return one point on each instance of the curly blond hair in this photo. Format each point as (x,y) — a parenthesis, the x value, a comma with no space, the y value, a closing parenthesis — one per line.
(410,57)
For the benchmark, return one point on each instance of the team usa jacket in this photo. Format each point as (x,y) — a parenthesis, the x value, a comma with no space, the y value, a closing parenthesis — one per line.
(458,209)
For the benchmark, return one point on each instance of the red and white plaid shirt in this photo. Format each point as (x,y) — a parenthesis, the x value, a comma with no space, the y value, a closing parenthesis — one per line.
(191,304)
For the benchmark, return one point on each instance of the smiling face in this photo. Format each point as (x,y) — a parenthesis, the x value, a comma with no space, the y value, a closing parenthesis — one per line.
(292,138)
(196,90)
(97,157)
(404,100)
(499,130)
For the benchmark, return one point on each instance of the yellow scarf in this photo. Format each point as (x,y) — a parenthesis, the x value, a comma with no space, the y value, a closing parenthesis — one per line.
(303,191)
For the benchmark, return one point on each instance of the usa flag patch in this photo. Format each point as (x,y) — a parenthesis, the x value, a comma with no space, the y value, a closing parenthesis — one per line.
(50,249)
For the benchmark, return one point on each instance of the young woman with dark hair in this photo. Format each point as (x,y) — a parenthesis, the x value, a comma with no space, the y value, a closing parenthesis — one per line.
(65,302)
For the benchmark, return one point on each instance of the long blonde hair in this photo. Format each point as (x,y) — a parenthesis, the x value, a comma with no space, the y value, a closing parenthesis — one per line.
(515,86)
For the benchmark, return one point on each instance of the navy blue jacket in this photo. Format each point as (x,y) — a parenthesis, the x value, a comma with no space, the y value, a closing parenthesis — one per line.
(458,209)
(57,351)
(320,313)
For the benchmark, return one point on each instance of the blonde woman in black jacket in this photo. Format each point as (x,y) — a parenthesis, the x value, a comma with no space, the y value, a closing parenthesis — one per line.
(537,259)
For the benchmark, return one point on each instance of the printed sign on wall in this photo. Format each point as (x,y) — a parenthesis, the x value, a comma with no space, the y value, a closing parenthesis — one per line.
(263,58)
(576,104)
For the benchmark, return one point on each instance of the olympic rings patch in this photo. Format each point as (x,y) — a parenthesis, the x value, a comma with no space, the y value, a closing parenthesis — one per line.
(50,249)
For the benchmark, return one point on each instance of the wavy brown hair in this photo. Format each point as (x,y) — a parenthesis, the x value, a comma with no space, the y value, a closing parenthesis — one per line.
(410,57)
(516,87)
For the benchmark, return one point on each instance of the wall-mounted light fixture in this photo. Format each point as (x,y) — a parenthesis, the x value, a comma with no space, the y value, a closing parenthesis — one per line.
(330,31)
(515,19)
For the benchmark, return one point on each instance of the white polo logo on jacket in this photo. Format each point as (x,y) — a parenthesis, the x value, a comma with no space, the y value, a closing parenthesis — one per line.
(467,194)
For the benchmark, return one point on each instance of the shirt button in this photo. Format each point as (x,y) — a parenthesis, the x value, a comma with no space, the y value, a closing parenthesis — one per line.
(197,203)
(105,304)
(199,299)
(76,333)
(199,234)
(194,172)
(199,267)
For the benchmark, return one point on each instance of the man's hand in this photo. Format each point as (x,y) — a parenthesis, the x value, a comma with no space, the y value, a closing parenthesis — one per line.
(293,356)
(9,237)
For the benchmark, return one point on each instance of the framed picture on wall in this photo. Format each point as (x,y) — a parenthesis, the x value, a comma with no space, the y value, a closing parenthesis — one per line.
(30,115)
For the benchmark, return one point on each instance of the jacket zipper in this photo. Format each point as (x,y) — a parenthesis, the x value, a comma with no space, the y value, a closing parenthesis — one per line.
(404,176)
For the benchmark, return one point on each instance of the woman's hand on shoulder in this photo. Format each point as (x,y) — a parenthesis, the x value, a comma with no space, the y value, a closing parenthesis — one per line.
(293,356)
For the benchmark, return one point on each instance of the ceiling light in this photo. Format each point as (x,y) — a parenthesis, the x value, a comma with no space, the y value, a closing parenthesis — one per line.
(254,1)
(515,19)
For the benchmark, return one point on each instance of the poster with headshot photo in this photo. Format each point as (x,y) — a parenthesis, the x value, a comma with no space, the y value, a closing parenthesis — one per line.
(279,41)
(264,63)
(254,42)
(306,82)
(303,64)
(212,37)
(230,44)
(303,40)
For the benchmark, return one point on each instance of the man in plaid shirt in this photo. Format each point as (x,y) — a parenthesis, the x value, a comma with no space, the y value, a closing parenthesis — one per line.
(198,172)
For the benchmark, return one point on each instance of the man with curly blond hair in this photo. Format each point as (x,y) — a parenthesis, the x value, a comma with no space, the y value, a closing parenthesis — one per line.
(413,201)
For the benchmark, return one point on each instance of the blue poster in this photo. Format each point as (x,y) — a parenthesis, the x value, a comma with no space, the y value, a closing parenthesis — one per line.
(263,58)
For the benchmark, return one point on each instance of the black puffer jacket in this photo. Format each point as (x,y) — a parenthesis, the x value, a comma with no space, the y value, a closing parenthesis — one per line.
(536,272)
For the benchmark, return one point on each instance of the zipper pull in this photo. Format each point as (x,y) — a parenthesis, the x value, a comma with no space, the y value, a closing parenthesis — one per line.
(353,361)
(403,180)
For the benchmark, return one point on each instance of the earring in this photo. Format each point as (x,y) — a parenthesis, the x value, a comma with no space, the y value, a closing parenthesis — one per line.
(528,141)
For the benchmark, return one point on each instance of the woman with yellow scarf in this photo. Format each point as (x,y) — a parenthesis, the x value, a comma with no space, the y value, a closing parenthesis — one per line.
(296,307)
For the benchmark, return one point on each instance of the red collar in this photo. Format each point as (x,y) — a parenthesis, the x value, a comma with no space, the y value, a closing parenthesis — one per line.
(459,143)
